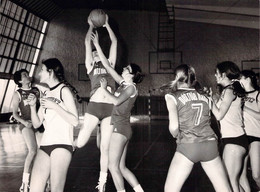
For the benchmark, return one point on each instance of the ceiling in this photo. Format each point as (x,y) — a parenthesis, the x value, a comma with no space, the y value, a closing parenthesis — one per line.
(147,5)
(239,13)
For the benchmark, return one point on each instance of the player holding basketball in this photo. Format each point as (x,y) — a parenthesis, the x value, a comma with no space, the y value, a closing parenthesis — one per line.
(21,101)
(251,114)
(99,106)
(123,100)
(189,122)
(228,110)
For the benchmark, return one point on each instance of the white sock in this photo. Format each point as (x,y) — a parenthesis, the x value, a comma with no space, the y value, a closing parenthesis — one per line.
(102,177)
(121,191)
(138,188)
(26,177)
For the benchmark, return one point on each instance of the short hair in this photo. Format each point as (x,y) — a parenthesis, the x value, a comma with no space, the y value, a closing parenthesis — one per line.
(18,76)
(137,72)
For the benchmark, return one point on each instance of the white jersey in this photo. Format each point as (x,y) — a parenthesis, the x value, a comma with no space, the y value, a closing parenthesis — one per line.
(57,130)
(252,125)
(232,123)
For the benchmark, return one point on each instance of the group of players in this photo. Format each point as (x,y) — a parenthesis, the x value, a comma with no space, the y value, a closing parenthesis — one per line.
(237,109)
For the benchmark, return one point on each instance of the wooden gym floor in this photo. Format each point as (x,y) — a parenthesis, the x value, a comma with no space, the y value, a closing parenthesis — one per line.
(149,155)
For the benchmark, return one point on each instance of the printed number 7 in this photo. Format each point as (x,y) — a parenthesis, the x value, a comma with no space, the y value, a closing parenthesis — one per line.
(199,108)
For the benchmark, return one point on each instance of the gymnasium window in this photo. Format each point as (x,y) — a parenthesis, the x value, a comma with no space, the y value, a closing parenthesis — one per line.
(21,37)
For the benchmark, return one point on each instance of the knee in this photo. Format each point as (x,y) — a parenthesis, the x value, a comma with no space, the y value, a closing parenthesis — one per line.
(123,168)
(113,167)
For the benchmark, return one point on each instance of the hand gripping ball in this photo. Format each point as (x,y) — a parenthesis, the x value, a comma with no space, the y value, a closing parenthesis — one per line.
(98,17)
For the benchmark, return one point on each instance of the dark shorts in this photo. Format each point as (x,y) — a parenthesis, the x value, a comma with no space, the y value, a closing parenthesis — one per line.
(125,130)
(241,141)
(199,152)
(49,148)
(100,110)
(252,139)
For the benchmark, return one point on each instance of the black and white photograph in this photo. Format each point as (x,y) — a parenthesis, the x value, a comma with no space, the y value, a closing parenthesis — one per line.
(129,96)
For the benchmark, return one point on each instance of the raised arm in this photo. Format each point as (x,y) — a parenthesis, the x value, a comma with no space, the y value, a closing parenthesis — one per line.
(113,47)
(104,60)
(89,57)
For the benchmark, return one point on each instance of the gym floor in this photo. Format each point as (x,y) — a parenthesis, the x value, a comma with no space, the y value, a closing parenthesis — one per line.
(149,155)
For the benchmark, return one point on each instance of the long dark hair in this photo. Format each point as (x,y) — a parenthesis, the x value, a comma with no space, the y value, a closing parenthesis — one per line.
(55,65)
(232,72)
(231,69)
(252,75)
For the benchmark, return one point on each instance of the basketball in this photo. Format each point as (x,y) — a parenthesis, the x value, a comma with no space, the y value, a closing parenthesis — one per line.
(98,17)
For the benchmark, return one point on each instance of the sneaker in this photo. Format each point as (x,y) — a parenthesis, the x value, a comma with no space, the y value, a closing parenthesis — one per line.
(101,187)
(24,187)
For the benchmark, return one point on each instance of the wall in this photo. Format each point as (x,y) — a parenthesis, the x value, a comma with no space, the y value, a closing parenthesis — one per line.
(203,45)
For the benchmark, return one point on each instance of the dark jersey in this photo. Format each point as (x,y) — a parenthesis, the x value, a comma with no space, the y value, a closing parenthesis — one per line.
(121,113)
(24,103)
(98,72)
(194,116)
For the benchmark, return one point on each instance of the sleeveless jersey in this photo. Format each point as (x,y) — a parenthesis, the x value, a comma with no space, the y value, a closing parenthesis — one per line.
(252,125)
(232,123)
(121,113)
(194,116)
(98,71)
(24,103)
(57,130)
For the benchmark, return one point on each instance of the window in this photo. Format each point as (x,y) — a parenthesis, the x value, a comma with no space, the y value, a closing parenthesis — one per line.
(21,36)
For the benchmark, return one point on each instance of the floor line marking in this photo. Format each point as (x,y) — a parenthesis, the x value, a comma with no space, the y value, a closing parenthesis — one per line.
(148,150)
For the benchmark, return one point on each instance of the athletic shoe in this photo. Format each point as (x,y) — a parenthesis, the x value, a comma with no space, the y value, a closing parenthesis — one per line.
(101,187)
(24,188)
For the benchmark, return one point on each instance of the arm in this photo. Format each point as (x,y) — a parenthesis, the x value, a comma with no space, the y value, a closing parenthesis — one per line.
(89,57)
(16,102)
(128,92)
(113,47)
(37,118)
(70,115)
(173,115)
(104,60)
(220,112)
